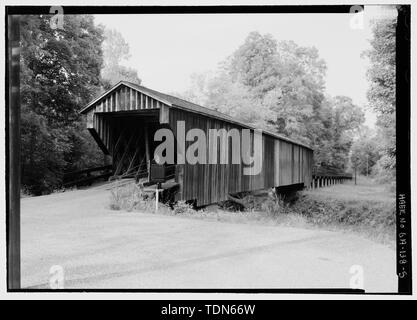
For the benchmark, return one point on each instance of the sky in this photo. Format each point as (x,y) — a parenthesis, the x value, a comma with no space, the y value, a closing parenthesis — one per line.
(167,49)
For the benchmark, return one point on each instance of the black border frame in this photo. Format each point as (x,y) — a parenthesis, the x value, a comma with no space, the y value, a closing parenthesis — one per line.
(402,116)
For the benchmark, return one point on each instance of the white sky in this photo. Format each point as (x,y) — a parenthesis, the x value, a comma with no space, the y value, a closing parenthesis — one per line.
(167,49)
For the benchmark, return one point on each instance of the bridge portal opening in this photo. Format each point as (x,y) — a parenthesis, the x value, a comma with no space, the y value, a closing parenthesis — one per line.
(128,138)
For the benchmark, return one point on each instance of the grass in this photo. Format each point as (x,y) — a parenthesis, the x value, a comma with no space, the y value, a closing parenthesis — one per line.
(131,197)
(365,190)
(367,209)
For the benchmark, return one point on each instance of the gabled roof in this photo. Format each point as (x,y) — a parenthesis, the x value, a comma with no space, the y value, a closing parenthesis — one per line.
(130,85)
(185,105)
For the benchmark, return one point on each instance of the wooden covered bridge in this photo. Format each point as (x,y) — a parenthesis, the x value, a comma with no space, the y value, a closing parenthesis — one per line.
(123,122)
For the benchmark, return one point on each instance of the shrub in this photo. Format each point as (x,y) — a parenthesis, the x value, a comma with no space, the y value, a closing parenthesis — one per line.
(131,197)
(274,205)
(182,207)
(384,172)
(125,197)
(375,218)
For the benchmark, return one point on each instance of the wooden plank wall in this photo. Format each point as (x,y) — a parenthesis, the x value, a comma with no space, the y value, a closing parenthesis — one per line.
(121,99)
(126,99)
(102,125)
(283,164)
(277,168)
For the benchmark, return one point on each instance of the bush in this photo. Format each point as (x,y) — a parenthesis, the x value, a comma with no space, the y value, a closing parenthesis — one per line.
(125,197)
(131,197)
(182,207)
(384,172)
(375,218)
(275,205)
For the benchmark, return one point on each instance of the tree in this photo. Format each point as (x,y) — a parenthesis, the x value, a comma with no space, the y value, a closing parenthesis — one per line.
(279,86)
(285,80)
(276,86)
(254,64)
(365,154)
(60,73)
(381,94)
(341,120)
(115,51)
(59,67)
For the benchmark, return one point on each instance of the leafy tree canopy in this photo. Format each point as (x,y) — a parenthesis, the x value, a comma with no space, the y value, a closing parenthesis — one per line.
(115,52)
(59,74)
(381,93)
(279,86)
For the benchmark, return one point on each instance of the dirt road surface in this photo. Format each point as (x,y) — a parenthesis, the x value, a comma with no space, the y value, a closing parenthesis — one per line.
(100,248)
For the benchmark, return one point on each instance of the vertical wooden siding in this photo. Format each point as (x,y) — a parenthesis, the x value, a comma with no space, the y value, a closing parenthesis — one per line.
(283,163)
(125,99)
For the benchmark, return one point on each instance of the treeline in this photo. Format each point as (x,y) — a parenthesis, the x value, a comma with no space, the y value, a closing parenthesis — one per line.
(374,153)
(279,86)
(61,70)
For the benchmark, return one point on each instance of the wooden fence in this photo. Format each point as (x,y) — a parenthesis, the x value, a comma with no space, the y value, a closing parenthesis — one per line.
(86,176)
(324,177)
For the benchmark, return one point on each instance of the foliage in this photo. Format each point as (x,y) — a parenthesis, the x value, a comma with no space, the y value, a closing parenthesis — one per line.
(341,120)
(376,152)
(279,86)
(275,205)
(366,209)
(351,213)
(365,153)
(370,215)
(60,73)
(131,197)
(384,172)
(184,208)
(127,197)
(381,94)
(115,51)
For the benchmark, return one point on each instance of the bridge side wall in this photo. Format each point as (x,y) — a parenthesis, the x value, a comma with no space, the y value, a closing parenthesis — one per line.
(283,163)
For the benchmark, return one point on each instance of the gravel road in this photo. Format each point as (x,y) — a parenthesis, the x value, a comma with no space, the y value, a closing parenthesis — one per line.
(100,248)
